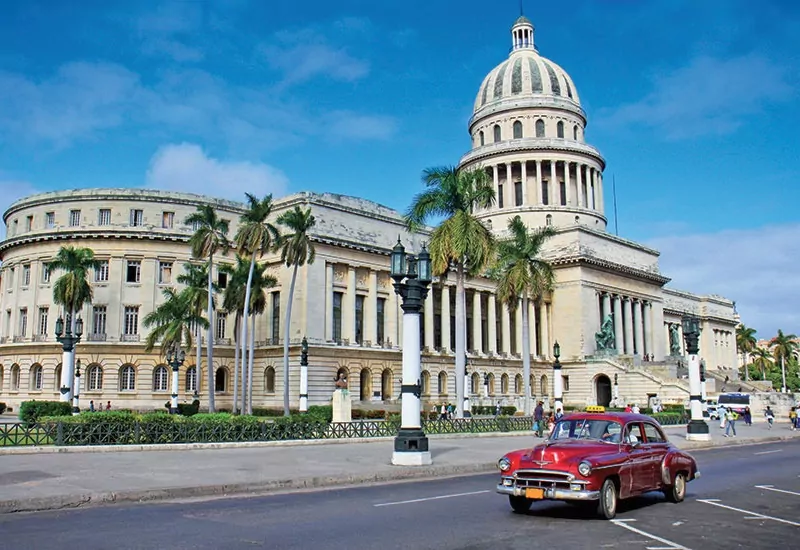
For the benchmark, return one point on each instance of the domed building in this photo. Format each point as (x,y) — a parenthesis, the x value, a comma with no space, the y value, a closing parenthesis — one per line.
(527,131)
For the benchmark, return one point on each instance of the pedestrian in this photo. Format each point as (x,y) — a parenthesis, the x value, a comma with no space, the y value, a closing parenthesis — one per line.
(635,409)
(770,416)
(91,405)
(538,418)
(748,417)
(497,410)
(450,411)
(628,408)
(551,423)
(108,406)
(731,427)
(793,418)
(559,415)
(443,412)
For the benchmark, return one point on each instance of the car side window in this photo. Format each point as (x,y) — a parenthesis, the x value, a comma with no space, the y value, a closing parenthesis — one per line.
(653,434)
(633,433)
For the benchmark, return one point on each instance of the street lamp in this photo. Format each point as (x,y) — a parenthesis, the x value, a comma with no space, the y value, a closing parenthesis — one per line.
(76,399)
(558,381)
(304,375)
(697,430)
(175,358)
(68,341)
(412,277)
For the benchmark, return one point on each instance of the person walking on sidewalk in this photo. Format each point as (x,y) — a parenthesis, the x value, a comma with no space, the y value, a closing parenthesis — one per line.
(793,418)
(731,417)
(770,416)
(722,411)
(748,417)
(538,418)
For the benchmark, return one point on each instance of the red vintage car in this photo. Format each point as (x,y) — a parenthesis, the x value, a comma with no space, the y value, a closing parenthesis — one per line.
(597,457)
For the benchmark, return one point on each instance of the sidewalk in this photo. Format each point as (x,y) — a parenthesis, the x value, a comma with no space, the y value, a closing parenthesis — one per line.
(54,480)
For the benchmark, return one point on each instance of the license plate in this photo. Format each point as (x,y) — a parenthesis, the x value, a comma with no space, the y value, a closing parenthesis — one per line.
(534,493)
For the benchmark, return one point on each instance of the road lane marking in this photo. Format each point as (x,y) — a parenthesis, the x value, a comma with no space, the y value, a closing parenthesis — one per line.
(772,488)
(716,502)
(672,545)
(430,498)
(768,452)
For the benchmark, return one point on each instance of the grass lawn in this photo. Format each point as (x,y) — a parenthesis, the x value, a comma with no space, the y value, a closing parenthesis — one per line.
(14,435)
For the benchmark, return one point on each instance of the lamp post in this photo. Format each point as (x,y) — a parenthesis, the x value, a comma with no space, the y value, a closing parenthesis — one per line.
(467,406)
(697,430)
(616,391)
(412,277)
(558,381)
(304,375)
(175,358)
(76,397)
(68,342)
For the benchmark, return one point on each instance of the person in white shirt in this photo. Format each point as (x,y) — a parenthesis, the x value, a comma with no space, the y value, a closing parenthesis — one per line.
(635,409)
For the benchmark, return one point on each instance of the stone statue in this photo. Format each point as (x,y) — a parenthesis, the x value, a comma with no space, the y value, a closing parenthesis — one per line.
(342,407)
(605,339)
(674,340)
(340,382)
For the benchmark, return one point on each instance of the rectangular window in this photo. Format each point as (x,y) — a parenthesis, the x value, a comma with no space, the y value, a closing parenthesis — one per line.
(131,325)
(29,223)
(101,271)
(379,319)
(23,321)
(222,280)
(99,320)
(565,382)
(45,273)
(165,273)
(74,218)
(336,322)
(167,220)
(196,225)
(545,192)
(26,274)
(563,194)
(499,196)
(518,193)
(14,227)
(359,319)
(104,217)
(10,278)
(276,316)
(49,220)
(137,217)
(42,325)
(133,273)
(8,322)
(222,319)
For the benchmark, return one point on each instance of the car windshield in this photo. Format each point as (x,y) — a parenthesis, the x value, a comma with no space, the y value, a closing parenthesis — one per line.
(587,428)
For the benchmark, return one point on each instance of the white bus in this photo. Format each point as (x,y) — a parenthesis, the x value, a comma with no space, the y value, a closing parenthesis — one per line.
(734,401)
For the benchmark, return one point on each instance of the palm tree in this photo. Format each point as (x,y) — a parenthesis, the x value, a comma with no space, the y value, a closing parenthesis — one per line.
(296,250)
(233,300)
(172,321)
(194,279)
(523,275)
(209,237)
(261,281)
(72,291)
(460,240)
(255,237)
(762,360)
(783,346)
(745,343)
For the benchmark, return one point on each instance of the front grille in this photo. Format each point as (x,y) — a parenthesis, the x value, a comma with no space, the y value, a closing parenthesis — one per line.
(545,479)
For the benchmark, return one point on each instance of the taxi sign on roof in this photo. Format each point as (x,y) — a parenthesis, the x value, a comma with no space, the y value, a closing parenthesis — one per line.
(595,409)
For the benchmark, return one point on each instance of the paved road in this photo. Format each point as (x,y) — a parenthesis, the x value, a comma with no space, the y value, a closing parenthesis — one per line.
(724,509)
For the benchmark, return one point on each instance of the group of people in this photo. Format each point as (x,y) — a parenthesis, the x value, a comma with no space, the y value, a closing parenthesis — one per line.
(540,423)
(633,408)
(647,357)
(100,408)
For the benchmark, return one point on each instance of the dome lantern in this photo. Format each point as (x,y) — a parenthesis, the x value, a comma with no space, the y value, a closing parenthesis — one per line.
(522,34)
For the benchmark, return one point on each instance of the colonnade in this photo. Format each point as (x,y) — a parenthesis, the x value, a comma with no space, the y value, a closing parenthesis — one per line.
(633,322)
(717,346)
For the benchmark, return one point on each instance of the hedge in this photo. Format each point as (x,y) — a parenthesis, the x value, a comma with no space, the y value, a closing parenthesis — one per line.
(31,411)
(185,409)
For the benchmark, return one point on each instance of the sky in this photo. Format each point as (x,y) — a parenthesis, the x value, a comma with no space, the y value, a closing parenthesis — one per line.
(693,104)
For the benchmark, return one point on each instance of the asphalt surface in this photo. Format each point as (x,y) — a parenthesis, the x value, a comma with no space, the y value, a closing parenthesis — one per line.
(724,509)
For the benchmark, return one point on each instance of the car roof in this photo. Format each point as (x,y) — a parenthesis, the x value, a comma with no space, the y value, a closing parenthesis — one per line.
(621,417)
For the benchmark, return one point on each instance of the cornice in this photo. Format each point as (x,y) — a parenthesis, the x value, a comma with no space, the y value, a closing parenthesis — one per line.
(79,233)
(532,145)
(543,101)
(613,267)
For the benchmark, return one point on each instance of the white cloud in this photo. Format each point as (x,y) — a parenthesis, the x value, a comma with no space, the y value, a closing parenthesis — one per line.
(709,96)
(167,29)
(354,126)
(186,167)
(755,267)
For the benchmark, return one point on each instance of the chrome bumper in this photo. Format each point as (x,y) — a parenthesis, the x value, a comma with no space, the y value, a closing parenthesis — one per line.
(551,494)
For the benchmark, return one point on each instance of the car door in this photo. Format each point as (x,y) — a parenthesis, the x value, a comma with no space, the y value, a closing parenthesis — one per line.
(653,451)
(635,467)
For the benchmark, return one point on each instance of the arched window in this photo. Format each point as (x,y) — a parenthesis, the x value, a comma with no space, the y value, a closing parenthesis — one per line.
(560,129)
(426,382)
(482,138)
(127,378)
(540,128)
(475,383)
(490,385)
(543,385)
(35,383)
(531,384)
(442,383)
(15,377)
(504,384)
(518,384)
(160,376)
(517,129)
(386,384)
(269,380)
(365,387)
(497,134)
(191,379)
(575,132)
(57,379)
(548,220)
(95,378)
(221,380)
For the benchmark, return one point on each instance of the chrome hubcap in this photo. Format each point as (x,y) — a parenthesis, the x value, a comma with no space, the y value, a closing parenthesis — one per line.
(680,486)
(610,500)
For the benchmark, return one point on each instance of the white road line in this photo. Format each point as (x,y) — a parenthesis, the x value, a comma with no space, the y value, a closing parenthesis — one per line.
(672,545)
(430,498)
(715,502)
(772,488)
(768,452)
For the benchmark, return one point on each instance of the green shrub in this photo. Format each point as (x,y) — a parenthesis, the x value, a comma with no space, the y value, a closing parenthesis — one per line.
(189,409)
(31,411)
(322,413)
(2,408)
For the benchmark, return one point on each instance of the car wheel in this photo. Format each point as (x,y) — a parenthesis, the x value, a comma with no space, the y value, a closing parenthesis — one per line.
(608,499)
(677,491)
(519,504)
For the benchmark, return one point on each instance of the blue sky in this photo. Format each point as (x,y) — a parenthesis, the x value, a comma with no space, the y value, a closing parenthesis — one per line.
(693,104)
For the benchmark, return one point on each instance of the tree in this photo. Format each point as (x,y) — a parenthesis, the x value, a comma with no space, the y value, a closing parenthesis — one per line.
(762,360)
(296,250)
(255,237)
(784,347)
(72,291)
(194,279)
(233,300)
(523,275)
(745,343)
(209,237)
(261,281)
(172,321)
(461,240)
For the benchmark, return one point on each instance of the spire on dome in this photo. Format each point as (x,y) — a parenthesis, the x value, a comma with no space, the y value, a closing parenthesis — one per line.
(522,33)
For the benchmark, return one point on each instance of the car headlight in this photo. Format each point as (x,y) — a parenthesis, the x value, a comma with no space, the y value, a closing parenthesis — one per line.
(584,468)
(504,464)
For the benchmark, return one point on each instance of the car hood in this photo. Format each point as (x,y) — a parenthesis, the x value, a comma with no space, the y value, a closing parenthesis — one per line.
(552,455)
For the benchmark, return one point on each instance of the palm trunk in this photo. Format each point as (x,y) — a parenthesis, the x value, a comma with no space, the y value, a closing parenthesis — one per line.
(286,334)
(198,358)
(243,406)
(526,357)
(244,324)
(210,335)
(235,407)
(250,364)
(461,340)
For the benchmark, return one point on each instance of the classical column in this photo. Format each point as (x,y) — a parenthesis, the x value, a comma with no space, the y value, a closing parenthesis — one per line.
(590,184)
(349,307)
(505,328)
(599,191)
(638,344)
(628,321)
(508,188)
(477,336)
(371,310)
(606,305)
(618,338)
(647,314)
(328,302)
(552,185)
(524,172)
(428,312)
(445,310)
(539,198)
(496,180)
(579,185)
(532,326)
(491,320)
(545,328)
(518,328)
(567,184)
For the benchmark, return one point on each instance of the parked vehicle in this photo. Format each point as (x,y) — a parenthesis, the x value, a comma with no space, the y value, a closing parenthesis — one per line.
(597,457)
(710,409)
(734,401)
